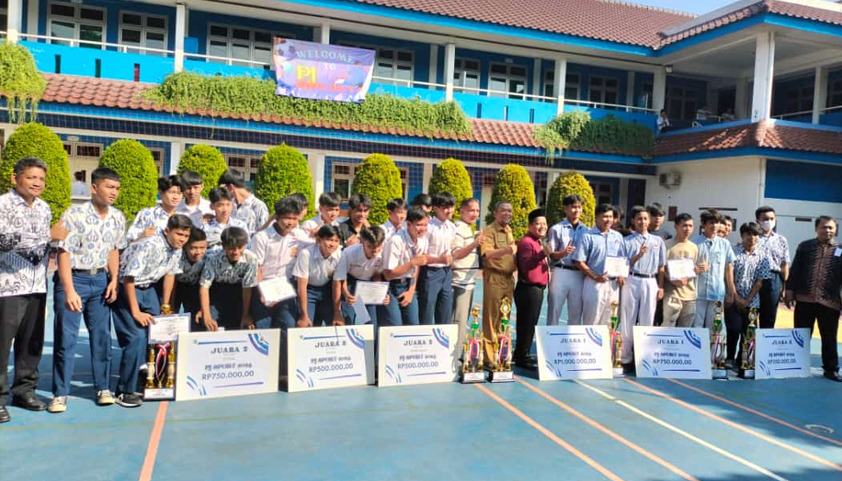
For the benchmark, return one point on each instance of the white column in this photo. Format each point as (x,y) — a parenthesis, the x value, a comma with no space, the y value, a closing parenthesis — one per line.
(559,81)
(321,34)
(426,176)
(13,21)
(8,130)
(630,90)
(180,33)
(449,67)
(176,150)
(434,63)
(819,93)
(741,99)
(764,71)
(659,90)
(32,16)
(552,176)
(317,168)
(537,78)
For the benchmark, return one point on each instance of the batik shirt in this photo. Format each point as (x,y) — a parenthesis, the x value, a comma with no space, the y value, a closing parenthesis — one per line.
(561,235)
(149,217)
(253,213)
(748,269)
(190,272)
(24,245)
(149,259)
(213,231)
(776,248)
(219,270)
(91,238)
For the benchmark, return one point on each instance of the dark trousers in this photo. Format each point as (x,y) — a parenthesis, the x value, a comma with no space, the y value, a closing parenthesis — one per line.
(280,316)
(394,314)
(320,304)
(528,301)
(97,313)
(736,323)
(770,295)
(806,314)
(348,311)
(21,322)
(187,297)
(226,305)
(435,296)
(132,336)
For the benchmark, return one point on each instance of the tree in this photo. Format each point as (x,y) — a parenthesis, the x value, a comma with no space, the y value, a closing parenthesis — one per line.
(36,140)
(205,160)
(283,171)
(379,178)
(566,184)
(513,185)
(452,176)
(138,174)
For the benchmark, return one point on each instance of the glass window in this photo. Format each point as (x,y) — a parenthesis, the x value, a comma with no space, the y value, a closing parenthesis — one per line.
(834,94)
(799,100)
(571,85)
(603,90)
(343,176)
(242,46)
(79,25)
(144,32)
(466,74)
(682,103)
(507,81)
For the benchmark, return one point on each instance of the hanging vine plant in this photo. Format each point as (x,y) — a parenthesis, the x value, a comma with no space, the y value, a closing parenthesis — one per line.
(20,82)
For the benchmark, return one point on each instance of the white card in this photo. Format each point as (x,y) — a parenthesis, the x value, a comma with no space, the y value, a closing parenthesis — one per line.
(681,269)
(616,266)
(371,292)
(275,290)
(361,312)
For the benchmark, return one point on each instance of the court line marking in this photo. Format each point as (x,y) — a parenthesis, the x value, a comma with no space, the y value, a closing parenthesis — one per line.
(674,469)
(740,427)
(154,442)
(756,412)
(550,435)
(684,433)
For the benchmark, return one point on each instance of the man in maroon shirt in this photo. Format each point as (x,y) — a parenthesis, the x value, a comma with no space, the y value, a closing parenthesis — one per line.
(533,276)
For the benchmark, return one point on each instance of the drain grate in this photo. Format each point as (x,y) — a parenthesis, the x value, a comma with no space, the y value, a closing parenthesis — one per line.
(819,429)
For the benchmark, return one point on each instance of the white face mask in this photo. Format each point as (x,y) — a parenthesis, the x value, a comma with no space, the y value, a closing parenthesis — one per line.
(767,225)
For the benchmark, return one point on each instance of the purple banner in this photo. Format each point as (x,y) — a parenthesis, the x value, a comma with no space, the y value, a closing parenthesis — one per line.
(322,72)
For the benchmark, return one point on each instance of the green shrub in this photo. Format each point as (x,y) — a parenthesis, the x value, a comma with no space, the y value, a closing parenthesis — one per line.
(283,171)
(558,133)
(20,82)
(608,135)
(513,185)
(566,184)
(452,176)
(379,178)
(139,176)
(36,140)
(205,160)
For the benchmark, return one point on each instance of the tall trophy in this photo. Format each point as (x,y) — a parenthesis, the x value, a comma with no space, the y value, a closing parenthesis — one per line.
(616,340)
(747,367)
(502,362)
(718,344)
(472,370)
(160,377)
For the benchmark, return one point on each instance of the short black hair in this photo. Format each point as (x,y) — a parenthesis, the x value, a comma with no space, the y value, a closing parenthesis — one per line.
(219,193)
(637,210)
(300,200)
(359,200)
(415,214)
(572,199)
(104,173)
(683,217)
(330,199)
(396,204)
(535,214)
(468,201)
(190,178)
(750,228)
(422,200)
(197,235)
(287,206)
(232,177)
(825,218)
(655,210)
(28,163)
(618,211)
(327,231)
(762,210)
(179,221)
(444,199)
(710,215)
(168,182)
(234,237)
(727,219)
(373,235)
(603,208)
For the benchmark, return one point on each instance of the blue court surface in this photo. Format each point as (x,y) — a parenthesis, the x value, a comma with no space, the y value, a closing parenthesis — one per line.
(620,429)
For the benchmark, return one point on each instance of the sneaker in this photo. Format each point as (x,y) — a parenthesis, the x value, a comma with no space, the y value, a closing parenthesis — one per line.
(729,364)
(129,400)
(57,405)
(104,398)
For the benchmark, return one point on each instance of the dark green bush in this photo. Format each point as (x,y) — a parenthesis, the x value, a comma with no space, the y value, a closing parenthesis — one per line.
(205,160)
(283,171)
(379,178)
(139,176)
(566,184)
(452,176)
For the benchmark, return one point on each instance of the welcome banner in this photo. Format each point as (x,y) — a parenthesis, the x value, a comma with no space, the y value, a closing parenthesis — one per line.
(322,72)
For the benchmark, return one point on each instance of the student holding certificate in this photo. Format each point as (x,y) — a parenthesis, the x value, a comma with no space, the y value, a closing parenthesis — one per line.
(680,291)
(360,262)
(314,271)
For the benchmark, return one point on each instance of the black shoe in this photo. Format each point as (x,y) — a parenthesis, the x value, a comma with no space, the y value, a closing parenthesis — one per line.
(833,376)
(629,369)
(129,400)
(527,364)
(4,415)
(30,402)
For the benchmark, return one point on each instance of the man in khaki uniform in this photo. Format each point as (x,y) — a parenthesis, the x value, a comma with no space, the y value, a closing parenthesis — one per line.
(498,251)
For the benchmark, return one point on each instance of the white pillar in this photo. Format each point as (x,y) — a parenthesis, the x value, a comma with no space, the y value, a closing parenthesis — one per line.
(764,71)
(537,78)
(449,68)
(32,16)
(659,90)
(177,148)
(180,33)
(559,82)
(8,130)
(552,176)
(426,176)
(741,99)
(434,63)
(819,93)
(630,90)
(317,168)
(321,34)
(13,21)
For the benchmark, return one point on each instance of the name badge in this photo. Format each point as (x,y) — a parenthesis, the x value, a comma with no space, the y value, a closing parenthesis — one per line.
(837,252)
(502,239)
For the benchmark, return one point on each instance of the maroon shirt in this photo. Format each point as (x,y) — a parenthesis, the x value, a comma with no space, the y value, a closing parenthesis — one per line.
(531,262)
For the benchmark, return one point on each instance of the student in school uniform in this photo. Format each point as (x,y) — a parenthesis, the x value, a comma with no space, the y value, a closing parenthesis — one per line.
(435,290)
(303,203)
(567,280)
(154,220)
(397,217)
(424,201)
(142,265)
(359,206)
(248,209)
(360,262)
(186,295)
(465,264)
(716,281)
(85,284)
(225,288)
(329,203)
(222,205)
(314,271)
(680,294)
(403,254)
(194,206)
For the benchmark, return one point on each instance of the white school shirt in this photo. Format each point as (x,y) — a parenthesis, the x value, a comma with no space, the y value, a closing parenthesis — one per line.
(400,249)
(440,238)
(314,267)
(195,213)
(354,262)
(275,253)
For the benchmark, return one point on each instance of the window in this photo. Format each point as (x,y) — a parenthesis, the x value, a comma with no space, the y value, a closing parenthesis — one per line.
(682,103)
(241,46)
(834,94)
(343,177)
(141,30)
(158,158)
(391,66)
(83,150)
(646,94)
(603,192)
(507,80)
(243,163)
(4,14)
(466,74)
(799,100)
(603,90)
(79,24)
(571,85)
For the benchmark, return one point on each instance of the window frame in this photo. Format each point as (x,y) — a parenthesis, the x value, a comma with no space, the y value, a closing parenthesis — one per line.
(230,40)
(686,113)
(78,22)
(603,89)
(144,30)
(251,164)
(549,83)
(352,168)
(378,57)
(509,77)
(462,72)
(834,89)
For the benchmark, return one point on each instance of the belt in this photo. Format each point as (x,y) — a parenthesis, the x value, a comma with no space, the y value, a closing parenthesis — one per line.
(88,272)
(530,284)
(399,282)
(569,268)
(436,268)
(645,276)
(143,288)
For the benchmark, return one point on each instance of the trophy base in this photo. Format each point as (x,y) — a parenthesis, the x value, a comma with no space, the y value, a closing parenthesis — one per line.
(618,372)
(747,374)
(502,376)
(719,373)
(473,377)
(158,394)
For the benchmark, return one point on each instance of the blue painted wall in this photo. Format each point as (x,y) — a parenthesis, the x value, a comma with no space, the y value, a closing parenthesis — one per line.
(813,182)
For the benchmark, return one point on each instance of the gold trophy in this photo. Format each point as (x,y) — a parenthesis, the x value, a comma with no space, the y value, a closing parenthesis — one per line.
(472,352)
(160,380)
(747,367)
(502,369)
(150,368)
(616,340)
(718,344)
(171,367)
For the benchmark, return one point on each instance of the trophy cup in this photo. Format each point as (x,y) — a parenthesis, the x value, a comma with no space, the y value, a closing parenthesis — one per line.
(747,368)
(150,368)
(502,369)
(171,367)
(160,363)
(472,352)
(718,344)
(616,340)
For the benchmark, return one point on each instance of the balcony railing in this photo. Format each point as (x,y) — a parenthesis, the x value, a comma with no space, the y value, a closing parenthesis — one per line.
(118,47)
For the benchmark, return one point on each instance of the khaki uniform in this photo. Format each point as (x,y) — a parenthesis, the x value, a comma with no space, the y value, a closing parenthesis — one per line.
(498,282)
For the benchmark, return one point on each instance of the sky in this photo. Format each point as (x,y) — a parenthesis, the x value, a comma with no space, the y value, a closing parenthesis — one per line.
(692,6)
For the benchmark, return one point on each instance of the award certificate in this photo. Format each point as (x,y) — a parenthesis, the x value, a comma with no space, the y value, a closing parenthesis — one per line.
(681,269)
(275,290)
(616,266)
(371,292)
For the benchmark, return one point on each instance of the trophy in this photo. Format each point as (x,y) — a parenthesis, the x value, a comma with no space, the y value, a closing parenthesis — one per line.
(718,344)
(502,362)
(171,367)
(472,352)
(616,340)
(747,368)
(160,365)
(150,368)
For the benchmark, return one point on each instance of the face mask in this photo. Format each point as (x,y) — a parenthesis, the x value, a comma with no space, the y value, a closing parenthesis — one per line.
(767,225)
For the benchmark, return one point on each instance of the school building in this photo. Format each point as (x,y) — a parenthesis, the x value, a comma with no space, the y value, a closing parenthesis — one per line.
(753,90)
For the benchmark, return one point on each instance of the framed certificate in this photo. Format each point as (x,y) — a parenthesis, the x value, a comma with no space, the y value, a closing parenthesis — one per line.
(681,269)
(616,266)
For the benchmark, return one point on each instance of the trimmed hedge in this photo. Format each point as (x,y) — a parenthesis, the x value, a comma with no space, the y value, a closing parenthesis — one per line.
(205,160)
(283,171)
(379,178)
(513,185)
(20,82)
(567,184)
(452,176)
(138,174)
(36,140)
(608,135)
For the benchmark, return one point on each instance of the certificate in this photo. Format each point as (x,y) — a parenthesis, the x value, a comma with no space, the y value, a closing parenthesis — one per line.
(371,292)
(616,266)
(681,269)
(275,290)
(167,328)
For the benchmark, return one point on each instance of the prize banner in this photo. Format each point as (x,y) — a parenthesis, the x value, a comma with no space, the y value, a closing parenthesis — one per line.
(418,354)
(229,363)
(321,72)
(330,357)
(782,353)
(672,352)
(573,352)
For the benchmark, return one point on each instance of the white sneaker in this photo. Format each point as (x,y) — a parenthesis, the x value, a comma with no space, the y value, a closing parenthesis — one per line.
(57,405)
(104,398)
